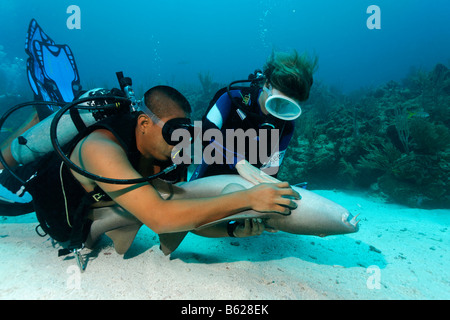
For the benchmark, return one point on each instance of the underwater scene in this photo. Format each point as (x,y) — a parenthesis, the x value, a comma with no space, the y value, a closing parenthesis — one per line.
(368,151)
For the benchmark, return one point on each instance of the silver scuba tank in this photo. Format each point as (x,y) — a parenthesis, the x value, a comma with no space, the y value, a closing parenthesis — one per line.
(36,142)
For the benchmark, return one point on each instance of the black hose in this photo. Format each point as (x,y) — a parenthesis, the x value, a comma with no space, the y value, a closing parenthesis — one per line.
(8,114)
(253,81)
(229,90)
(73,166)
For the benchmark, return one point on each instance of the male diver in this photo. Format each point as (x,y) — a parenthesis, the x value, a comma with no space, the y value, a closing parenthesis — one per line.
(287,79)
(133,146)
(129,147)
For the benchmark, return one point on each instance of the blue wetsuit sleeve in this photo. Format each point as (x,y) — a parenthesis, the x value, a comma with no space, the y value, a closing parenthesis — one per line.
(215,119)
(286,137)
(274,163)
(220,111)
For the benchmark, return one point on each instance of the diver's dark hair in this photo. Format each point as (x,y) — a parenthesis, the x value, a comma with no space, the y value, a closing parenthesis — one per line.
(162,100)
(291,73)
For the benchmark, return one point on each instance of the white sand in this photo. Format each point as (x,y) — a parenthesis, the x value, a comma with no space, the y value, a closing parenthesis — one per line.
(408,250)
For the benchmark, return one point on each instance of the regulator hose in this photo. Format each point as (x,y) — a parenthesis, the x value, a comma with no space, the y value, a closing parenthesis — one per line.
(73,166)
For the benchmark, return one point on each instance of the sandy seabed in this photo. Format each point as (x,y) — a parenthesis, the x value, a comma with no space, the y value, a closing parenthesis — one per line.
(399,253)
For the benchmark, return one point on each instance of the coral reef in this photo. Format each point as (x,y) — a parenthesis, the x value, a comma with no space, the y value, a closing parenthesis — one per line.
(393,140)
(200,99)
(14,89)
(13,74)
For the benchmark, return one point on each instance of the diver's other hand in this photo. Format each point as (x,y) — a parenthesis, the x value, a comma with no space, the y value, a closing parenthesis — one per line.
(250,228)
(273,197)
(253,174)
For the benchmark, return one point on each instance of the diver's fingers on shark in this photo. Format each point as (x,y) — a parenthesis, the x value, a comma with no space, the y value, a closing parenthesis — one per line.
(265,178)
(287,203)
(286,190)
(253,174)
(261,227)
(257,177)
(282,210)
(283,184)
(260,176)
(248,172)
(254,226)
(270,179)
(250,227)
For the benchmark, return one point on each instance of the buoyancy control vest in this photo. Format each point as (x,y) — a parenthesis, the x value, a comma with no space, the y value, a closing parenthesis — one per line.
(61,203)
(36,142)
(245,113)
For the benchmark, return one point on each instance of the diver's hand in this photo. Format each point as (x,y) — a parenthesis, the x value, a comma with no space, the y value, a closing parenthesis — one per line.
(273,197)
(253,174)
(250,228)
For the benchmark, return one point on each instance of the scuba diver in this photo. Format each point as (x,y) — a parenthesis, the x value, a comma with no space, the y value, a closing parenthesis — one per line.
(103,179)
(128,147)
(271,102)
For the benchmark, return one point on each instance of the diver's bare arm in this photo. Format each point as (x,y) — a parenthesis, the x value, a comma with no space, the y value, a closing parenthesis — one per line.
(166,216)
(107,158)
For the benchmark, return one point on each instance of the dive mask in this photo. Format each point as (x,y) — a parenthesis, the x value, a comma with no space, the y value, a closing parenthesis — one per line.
(281,106)
(170,126)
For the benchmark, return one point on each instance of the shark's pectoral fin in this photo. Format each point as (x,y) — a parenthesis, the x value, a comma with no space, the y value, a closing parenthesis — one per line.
(169,242)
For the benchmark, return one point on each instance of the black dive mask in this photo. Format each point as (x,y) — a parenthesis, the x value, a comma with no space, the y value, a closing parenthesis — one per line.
(169,128)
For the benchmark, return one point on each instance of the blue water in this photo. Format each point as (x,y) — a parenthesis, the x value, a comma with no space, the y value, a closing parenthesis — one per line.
(171,41)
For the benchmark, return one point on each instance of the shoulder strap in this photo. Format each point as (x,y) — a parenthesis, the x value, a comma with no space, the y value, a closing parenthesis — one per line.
(246,102)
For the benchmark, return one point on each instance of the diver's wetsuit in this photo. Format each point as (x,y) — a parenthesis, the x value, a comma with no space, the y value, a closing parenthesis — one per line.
(223,114)
(60,201)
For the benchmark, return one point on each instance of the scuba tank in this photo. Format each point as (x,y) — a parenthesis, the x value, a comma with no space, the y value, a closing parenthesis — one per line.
(60,128)
(36,142)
